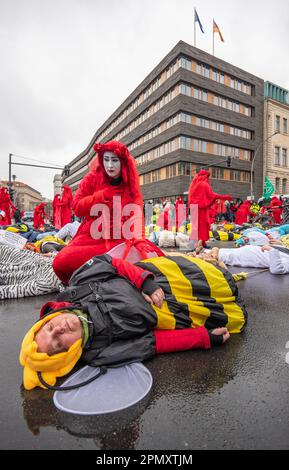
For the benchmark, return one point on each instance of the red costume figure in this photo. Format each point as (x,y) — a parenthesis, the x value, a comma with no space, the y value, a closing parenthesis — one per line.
(243,213)
(39,215)
(164,217)
(180,212)
(201,193)
(213,213)
(97,187)
(6,205)
(276,212)
(66,205)
(56,212)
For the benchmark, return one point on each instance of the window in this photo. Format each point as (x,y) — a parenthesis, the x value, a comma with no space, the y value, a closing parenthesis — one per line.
(277,156)
(284,186)
(206,71)
(284,157)
(277,123)
(285,126)
(277,185)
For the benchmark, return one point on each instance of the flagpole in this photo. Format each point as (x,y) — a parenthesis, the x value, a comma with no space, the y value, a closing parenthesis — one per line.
(194,27)
(213,39)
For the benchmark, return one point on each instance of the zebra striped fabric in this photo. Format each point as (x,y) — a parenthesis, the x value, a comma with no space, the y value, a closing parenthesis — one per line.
(25,274)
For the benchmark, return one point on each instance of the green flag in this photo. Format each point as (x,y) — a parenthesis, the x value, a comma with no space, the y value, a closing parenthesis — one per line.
(268,188)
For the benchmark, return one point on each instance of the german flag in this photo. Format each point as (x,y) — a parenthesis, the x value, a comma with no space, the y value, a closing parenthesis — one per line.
(196,294)
(216,29)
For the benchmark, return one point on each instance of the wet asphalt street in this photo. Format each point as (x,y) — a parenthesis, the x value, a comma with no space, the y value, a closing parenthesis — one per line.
(232,397)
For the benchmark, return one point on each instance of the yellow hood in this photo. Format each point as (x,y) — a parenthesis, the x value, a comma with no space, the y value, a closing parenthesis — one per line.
(50,367)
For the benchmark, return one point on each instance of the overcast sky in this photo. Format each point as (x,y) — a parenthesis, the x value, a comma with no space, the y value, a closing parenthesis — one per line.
(66,65)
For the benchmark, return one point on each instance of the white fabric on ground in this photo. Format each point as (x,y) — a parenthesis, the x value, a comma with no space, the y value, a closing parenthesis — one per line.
(250,256)
(25,274)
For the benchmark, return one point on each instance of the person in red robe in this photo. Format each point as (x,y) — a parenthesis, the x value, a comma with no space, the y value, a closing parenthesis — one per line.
(56,212)
(39,215)
(110,189)
(276,210)
(180,209)
(66,205)
(6,205)
(243,213)
(201,193)
(2,218)
(213,213)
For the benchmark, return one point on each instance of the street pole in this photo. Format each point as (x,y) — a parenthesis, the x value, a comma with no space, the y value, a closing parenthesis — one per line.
(253,160)
(10,162)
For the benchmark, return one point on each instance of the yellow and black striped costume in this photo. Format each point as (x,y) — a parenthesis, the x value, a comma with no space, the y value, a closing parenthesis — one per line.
(196,293)
(224,236)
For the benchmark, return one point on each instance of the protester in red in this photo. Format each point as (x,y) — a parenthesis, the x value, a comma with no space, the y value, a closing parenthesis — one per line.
(6,205)
(111,189)
(243,213)
(66,205)
(276,211)
(56,212)
(39,215)
(213,213)
(201,193)
(2,218)
(180,211)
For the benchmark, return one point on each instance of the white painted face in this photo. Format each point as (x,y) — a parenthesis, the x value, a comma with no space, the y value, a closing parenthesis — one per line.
(112,164)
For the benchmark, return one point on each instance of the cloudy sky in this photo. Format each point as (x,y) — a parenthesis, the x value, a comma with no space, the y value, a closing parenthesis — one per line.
(66,65)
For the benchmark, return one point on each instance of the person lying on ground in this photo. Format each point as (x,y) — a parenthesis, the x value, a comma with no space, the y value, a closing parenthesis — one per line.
(114,313)
(274,257)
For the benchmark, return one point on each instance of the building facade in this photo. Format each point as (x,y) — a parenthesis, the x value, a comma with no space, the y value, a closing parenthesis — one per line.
(25,197)
(191,111)
(57,181)
(276,147)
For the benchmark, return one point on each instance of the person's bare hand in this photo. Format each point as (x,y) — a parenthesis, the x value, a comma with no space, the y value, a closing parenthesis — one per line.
(156,298)
(273,241)
(266,248)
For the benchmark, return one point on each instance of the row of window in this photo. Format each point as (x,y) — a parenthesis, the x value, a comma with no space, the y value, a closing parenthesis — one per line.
(280,157)
(196,145)
(213,74)
(188,169)
(278,124)
(217,100)
(203,146)
(216,126)
(182,62)
(194,120)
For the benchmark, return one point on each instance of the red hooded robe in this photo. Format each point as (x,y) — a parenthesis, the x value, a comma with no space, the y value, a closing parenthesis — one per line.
(39,215)
(201,193)
(66,204)
(98,188)
(243,213)
(5,205)
(56,212)
(276,212)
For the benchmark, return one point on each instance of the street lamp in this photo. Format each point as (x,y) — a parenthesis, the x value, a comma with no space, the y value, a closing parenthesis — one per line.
(257,150)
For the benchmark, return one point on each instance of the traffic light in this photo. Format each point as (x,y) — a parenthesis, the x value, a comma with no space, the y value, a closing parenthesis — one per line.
(11,193)
(66,171)
(229,161)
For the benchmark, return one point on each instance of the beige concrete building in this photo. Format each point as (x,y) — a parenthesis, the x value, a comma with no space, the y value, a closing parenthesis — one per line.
(25,197)
(57,182)
(276,147)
